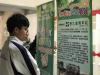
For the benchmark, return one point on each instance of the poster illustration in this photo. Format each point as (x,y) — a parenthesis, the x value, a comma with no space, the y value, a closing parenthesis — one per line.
(73,7)
(74,37)
(45,13)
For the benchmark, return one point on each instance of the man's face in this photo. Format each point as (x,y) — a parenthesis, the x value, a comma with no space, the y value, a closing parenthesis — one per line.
(22,33)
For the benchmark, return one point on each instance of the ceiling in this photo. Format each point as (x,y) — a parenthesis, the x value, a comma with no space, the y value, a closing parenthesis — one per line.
(30,5)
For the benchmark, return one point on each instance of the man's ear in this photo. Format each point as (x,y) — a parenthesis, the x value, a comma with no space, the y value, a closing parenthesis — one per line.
(16,30)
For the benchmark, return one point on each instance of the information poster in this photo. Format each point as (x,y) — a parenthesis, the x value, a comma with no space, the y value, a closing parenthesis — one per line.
(45,45)
(74,37)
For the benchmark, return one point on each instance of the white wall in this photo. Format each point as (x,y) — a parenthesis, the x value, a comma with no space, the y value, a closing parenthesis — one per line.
(3,29)
(96,4)
(33,25)
(28,3)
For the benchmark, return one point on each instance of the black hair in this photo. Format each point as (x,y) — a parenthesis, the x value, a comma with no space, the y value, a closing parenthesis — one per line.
(17,20)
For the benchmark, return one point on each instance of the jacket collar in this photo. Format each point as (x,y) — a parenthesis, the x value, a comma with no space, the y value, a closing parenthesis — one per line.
(15,39)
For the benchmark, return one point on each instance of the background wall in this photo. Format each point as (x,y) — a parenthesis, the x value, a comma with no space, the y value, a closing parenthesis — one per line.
(33,25)
(3,30)
(28,3)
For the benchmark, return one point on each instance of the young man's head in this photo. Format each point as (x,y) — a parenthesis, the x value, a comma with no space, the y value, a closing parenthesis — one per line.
(17,25)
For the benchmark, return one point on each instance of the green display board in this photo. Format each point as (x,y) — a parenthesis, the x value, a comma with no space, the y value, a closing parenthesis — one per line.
(74,37)
(45,37)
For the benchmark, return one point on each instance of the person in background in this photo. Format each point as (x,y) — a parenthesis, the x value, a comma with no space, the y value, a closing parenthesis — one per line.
(15,58)
(32,47)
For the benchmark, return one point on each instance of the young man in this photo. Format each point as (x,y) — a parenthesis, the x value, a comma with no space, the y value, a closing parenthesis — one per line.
(15,58)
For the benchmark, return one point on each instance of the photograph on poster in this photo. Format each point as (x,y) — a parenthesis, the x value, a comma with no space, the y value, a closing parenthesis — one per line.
(73,7)
(70,69)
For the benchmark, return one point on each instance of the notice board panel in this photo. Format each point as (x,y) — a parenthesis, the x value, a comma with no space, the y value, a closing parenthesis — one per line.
(45,37)
(74,37)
